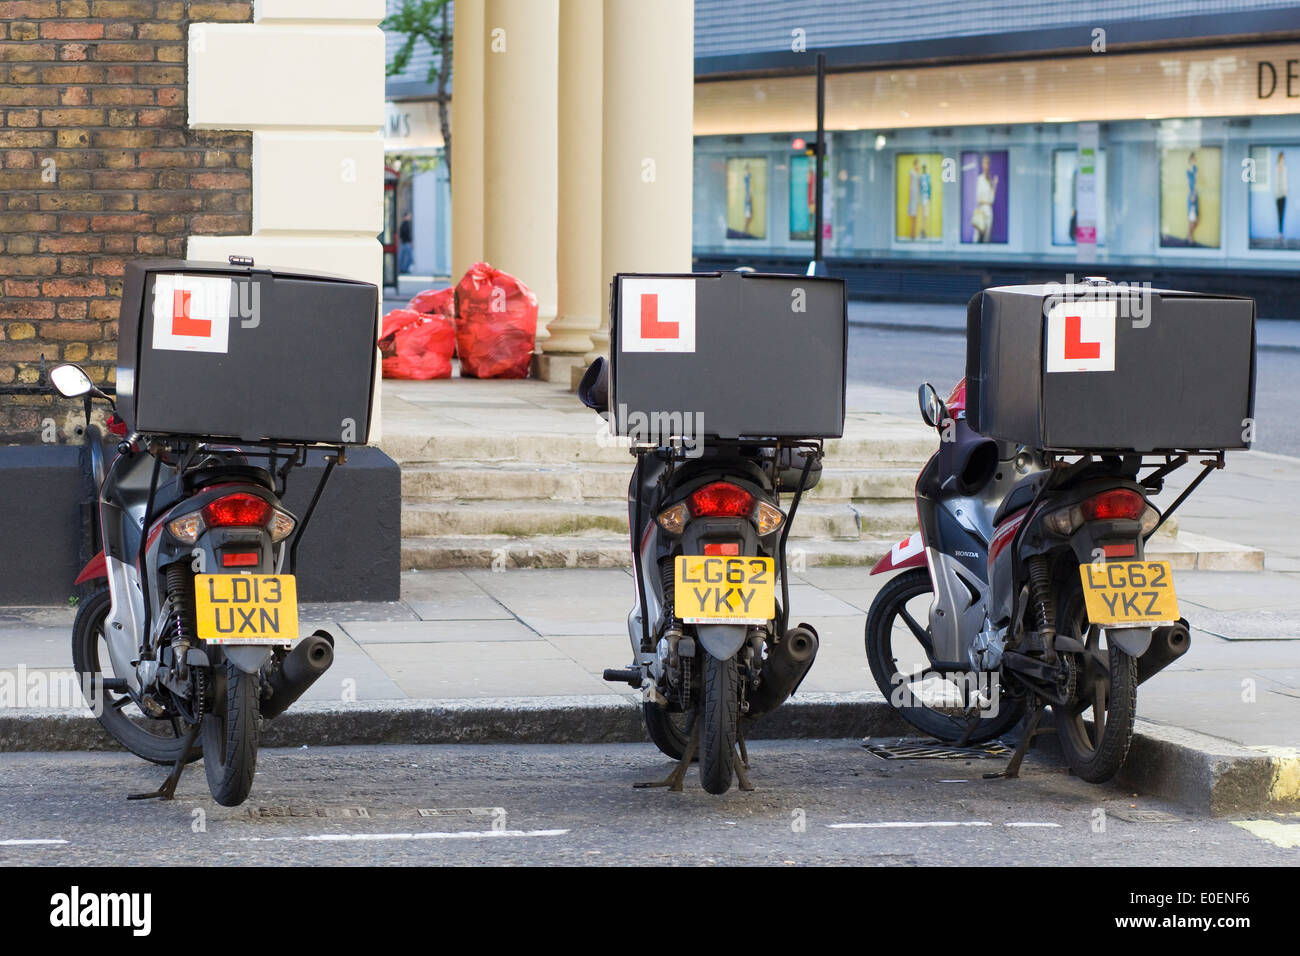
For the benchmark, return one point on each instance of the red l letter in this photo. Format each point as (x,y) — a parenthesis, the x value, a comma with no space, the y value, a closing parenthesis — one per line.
(182,324)
(651,327)
(1075,347)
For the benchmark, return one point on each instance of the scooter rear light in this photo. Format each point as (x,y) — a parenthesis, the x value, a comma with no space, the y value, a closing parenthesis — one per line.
(721,550)
(673,519)
(1113,505)
(721,499)
(240,559)
(239,510)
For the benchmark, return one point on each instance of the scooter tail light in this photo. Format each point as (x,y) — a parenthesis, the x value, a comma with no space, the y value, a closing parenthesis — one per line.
(721,499)
(769,518)
(673,519)
(1064,522)
(186,528)
(1116,504)
(240,510)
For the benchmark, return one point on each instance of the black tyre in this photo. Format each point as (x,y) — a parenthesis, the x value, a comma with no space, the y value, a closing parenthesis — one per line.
(1097,730)
(670,730)
(158,741)
(718,728)
(896,642)
(230,734)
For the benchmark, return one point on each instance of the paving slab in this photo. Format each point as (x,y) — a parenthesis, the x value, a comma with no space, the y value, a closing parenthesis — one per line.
(434,632)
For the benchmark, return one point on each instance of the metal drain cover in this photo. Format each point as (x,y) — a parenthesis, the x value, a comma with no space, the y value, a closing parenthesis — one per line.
(1134,815)
(281,811)
(459,812)
(933,750)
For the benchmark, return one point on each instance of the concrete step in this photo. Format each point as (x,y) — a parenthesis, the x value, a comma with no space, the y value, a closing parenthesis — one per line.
(519,518)
(887,444)
(587,481)
(597,549)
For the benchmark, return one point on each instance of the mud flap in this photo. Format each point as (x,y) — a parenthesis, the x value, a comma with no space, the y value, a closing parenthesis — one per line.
(1133,641)
(722,640)
(248,658)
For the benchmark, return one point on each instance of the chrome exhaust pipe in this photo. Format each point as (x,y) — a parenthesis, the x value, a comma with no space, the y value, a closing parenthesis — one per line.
(297,672)
(1168,643)
(784,670)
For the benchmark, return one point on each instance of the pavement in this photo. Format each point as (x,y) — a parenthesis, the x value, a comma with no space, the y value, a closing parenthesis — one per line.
(515,655)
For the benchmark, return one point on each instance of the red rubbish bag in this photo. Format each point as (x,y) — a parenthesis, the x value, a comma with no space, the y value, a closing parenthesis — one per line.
(439,301)
(417,346)
(496,324)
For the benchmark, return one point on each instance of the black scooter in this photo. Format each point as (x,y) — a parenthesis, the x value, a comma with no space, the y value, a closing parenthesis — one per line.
(712,646)
(186,635)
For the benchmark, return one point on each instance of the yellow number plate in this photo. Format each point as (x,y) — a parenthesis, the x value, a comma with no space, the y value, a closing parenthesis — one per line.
(724,590)
(1129,593)
(247,608)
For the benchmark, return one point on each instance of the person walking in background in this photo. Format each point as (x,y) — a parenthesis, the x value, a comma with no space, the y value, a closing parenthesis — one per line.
(1279,191)
(925,198)
(405,254)
(1193,199)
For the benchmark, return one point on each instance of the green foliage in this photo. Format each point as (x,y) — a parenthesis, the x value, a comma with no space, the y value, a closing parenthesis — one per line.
(419,20)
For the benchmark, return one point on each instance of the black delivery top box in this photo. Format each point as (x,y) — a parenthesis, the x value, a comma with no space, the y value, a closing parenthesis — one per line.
(1106,367)
(248,354)
(727,355)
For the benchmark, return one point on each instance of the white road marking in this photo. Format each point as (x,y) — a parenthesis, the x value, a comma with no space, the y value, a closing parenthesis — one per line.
(904,825)
(428,835)
(918,824)
(1285,835)
(32,842)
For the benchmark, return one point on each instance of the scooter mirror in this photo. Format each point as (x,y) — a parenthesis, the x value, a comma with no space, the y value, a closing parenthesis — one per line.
(71,381)
(932,407)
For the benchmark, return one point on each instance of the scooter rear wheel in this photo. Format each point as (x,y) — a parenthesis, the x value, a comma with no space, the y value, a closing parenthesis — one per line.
(158,741)
(230,735)
(720,707)
(894,633)
(1107,693)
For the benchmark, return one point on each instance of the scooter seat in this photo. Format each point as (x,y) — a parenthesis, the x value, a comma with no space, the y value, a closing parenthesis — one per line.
(201,477)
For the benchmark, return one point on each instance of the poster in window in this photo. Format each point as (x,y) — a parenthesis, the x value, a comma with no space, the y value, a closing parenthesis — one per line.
(1274,222)
(1065,179)
(747,197)
(1191,180)
(918,197)
(985,183)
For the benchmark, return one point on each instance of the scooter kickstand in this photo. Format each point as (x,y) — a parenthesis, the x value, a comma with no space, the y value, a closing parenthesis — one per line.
(168,789)
(674,780)
(1012,770)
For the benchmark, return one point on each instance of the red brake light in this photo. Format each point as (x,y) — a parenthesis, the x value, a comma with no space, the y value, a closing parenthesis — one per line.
(1112,505)
(722,500)
(240,559)
(237,510)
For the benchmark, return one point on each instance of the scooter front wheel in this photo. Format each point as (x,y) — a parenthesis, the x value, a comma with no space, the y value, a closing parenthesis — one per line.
(230,735)
(156,740)
(896,639)
(718,728)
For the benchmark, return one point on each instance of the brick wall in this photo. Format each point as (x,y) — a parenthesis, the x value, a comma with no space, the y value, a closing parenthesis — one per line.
(97,167)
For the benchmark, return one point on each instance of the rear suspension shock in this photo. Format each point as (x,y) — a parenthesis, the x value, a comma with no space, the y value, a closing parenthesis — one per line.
(1044,605)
